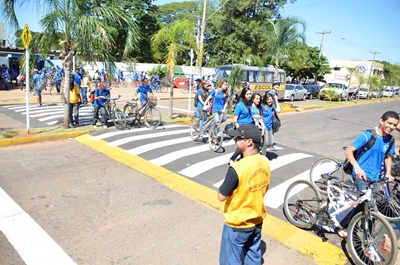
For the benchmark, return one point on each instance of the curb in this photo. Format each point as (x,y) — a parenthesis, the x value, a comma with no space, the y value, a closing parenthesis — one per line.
(39,138)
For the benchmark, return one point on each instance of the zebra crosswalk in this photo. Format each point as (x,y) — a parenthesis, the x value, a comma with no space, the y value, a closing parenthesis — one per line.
(51,114)
(171,147)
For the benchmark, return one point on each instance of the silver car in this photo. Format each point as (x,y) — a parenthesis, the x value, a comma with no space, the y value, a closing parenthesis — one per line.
(293,92)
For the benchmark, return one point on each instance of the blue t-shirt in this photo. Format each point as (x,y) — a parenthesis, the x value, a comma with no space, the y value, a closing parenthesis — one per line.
(57,77)
(100,101)
(199,94)
(267,114)
(36,79)
(143,91)
(135,77)
(243,114)
(219,100)
(255,113)
(372,160)
(77,79)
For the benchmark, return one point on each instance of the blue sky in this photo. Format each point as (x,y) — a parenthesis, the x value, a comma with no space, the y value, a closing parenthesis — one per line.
(358,27)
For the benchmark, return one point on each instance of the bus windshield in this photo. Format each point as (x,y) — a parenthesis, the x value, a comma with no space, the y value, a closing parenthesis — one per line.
(223,72)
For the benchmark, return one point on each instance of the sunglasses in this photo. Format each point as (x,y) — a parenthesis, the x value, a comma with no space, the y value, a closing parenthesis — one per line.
(236,138)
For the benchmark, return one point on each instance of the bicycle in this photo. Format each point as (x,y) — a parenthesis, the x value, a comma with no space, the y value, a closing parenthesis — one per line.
(115,113)
(149,113)
(210,127)
(371,238)
(158,87)
(387,196)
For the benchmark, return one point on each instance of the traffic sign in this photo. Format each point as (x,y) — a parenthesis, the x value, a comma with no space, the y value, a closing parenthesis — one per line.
(26,36)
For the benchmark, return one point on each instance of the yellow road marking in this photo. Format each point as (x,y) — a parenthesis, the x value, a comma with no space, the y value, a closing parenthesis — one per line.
(285,233)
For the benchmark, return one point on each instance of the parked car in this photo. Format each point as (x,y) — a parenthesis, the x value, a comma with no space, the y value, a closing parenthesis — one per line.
(294,91)
(376,93)
(363,92)
(387,92)
(312,91)
(340,91)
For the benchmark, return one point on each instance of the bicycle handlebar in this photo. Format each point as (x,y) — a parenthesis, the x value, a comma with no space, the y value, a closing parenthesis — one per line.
(119,96)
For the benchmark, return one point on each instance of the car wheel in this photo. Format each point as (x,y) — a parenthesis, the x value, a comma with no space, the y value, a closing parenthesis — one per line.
(291,97)
(311,96)
(304,97)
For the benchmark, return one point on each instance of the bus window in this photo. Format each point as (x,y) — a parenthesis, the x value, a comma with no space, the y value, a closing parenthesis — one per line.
(223,72)
(269,76)
(260,77)
(251,76)
(282,78)
(244,75)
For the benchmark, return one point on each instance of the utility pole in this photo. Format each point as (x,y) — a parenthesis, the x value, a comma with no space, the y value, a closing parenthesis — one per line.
(201,45)
(320,51)
(372,66)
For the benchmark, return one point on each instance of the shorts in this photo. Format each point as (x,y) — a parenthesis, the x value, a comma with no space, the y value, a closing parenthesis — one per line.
(37,92)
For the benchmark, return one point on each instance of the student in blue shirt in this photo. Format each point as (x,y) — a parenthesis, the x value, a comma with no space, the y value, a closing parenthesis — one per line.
(100,96)
(221,98)
(268,109)
(202,96)
(144,90)
(242,115)
(57,81)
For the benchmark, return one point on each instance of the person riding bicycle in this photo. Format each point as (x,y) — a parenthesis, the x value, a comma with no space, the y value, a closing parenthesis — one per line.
(155,80)
(100,96)
(144,90)
(369,165)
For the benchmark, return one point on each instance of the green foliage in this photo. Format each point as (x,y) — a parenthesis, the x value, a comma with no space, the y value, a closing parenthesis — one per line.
(329,94)
(131,65)
(177,11)
(234,82)
(161,70)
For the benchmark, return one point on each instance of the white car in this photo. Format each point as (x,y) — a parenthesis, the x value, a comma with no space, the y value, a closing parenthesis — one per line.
(387,92)
(293,92)
(340,90)
(363,93)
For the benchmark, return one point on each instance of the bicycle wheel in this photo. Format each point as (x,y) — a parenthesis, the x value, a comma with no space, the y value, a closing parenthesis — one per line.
(195,128)
(152,117)
(302,203)
(118,118)
(387,198)
(372,240)
(130,111)
(215,137)
(323,166)
(163,89)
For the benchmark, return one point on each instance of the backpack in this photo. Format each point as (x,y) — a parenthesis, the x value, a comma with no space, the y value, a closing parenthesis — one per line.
(40,84)
(348,168)
(91,96)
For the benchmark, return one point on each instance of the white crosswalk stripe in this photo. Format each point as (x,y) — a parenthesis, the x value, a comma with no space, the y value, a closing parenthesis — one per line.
(52,113)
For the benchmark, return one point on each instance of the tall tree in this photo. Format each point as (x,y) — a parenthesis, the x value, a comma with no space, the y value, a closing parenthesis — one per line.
(174,38)
(87,27)
(281,35)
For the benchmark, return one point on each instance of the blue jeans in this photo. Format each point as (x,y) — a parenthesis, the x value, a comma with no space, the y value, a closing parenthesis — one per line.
(103,118)
(202,115)
(84,95)
(238,246)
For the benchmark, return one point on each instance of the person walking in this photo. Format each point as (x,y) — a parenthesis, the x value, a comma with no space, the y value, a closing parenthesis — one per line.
(274,93)
(75,100)
(242,115)
(37,90)
(370,164)
(243,190)
(84,88)
(221,97)
(268,112)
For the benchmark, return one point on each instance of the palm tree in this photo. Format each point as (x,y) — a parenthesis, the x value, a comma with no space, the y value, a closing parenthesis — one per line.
(281,35)
(174,37)
(79,26)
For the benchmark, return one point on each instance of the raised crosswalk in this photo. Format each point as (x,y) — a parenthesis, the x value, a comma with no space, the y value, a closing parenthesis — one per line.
(171,147)
(52,114)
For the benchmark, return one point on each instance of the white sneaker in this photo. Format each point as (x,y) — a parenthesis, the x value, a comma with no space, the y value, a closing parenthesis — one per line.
(94,126)
(104,126)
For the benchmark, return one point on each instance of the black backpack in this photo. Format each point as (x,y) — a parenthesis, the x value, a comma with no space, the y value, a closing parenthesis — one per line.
(348,168)
(196,100)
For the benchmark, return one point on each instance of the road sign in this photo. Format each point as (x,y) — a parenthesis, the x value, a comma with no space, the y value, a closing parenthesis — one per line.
(26,36)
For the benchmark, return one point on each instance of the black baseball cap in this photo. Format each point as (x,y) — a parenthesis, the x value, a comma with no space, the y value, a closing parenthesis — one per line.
(198,80)
(249,131)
